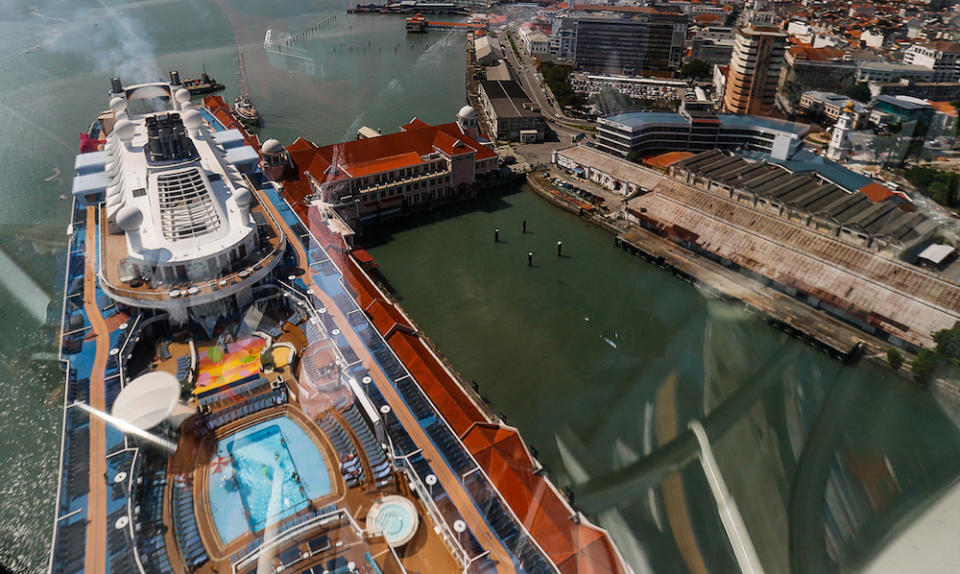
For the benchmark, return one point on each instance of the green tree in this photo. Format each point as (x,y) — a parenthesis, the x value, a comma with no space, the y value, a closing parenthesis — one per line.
(696,69)
(924,366)
(634,156)
(859,91)
(895,359)
(948,344)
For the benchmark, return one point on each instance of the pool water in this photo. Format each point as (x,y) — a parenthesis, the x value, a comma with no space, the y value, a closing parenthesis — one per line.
(263,474)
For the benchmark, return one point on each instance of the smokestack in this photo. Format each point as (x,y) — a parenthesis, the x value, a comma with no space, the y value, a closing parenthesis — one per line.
(115,86)
(174,78)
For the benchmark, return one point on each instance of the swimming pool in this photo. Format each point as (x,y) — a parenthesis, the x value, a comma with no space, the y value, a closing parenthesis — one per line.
(263,474)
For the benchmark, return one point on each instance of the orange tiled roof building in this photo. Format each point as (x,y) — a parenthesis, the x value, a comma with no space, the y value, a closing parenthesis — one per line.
(393,174)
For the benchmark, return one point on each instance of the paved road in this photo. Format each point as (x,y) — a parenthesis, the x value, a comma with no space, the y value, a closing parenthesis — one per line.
(96,549)
(450,481)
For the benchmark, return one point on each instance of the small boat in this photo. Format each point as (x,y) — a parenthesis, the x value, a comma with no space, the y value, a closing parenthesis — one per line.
(246,112)
(202,85)
(243,108)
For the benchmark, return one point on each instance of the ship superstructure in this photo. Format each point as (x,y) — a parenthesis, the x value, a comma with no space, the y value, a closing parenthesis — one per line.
(232,403)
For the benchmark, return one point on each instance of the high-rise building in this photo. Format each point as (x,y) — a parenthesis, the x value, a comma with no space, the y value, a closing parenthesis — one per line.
(621,39)
(754,70)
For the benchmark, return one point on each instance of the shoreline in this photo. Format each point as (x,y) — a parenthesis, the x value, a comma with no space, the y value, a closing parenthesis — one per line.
(814,327)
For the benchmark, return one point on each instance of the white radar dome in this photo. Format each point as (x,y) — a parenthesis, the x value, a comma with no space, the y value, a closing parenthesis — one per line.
(129,218)
(271,146)
(124,129)
(117,104)
(192,119)
(182,95)
(467,112)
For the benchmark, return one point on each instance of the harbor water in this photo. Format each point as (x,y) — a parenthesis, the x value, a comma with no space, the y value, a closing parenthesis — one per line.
(600,359)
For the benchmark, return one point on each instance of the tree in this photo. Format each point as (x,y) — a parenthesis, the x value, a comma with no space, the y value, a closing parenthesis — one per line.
(924,366)
(895,359)
(634,156)
(696,69)
(859,91)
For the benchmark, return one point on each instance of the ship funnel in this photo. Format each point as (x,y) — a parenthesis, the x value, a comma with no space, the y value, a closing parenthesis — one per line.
(174,78)
(115,86)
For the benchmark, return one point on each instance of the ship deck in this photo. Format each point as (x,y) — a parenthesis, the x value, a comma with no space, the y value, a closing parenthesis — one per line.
(114,250)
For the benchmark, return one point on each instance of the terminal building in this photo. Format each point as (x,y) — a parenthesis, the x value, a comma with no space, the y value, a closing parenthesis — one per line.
(697,128)
(379,177)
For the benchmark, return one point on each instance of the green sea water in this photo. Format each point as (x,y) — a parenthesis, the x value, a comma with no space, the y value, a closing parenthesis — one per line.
(593,356)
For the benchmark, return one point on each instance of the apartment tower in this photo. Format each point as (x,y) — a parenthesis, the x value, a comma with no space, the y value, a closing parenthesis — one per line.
(754,70)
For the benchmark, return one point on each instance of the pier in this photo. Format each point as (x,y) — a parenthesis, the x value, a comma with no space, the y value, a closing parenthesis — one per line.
(420,25)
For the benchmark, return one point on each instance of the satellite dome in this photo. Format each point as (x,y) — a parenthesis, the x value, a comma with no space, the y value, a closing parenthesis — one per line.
(124,129)
(271,146)
(467,112)
(129,218)
(117,104)
(182,95)
(192,119)
(242,196)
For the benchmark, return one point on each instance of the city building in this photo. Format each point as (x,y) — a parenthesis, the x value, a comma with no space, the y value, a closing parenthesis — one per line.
(946,91)
(696,127)
(941,58)
(488,50)
(712,51)
(883,72)
(534,41)
(901,110)
(393,174)
(754,70)
(620,39)
(512,114)
(833,105)
(809,68)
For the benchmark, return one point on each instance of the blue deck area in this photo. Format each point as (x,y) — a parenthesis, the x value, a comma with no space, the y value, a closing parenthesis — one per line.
(262,475)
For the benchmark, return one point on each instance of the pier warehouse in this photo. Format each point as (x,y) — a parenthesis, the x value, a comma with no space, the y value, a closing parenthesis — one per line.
(394,174)
(697,128)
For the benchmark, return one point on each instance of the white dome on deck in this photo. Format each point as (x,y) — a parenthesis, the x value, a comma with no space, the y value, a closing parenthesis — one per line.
(242,196)
(182,95)
(271,146)
(467,112)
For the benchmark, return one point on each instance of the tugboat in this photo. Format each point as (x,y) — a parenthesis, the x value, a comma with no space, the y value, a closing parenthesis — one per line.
(243,108)
(202,85)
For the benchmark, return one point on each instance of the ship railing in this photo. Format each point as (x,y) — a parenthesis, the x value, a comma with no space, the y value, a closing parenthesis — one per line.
(269,544)
(450,540)
(131,330)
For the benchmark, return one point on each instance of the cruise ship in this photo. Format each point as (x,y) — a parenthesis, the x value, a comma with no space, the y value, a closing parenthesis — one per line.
(240,395)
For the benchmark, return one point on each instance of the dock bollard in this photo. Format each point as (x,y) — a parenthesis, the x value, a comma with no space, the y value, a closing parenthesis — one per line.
(559,248)
(530,259)
(496,235)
